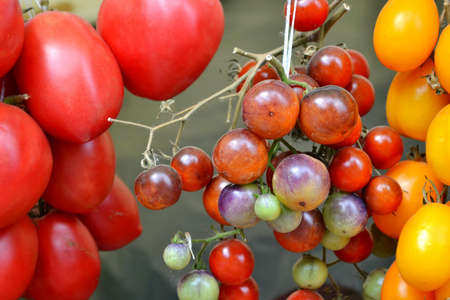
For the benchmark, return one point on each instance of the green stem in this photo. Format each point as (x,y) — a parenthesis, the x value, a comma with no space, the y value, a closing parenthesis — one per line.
(339,296)
(292,149)
(361,272)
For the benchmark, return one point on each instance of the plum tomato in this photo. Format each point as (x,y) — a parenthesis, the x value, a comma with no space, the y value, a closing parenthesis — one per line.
(360,63)
(198,284)
(11,34)
(358,249)
(240,156)
(330,65)
(231,261)
(68,261)
(182,37)
(249,290)
(309,272)
(19,248)
(270,109)
(115,223)
(158,187)
(411,103)
(384,146)
(301,182)
(194,166)
(210,198)
(382,194)
(23,174)
(404,45)
(71,103)
(309,14)
(328,114)
(350,169)
(363,92)
(305,294)
(264,72)
(441,58)
(306,236)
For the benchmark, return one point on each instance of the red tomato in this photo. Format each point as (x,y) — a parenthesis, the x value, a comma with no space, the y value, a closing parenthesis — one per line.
(68,263)
(19,252)
(164,46)
(360,63)
(231,261)
(305,295)
(309,14)
(82,174)
(25,163)
(384,146)
(249,290)
(11,34)
(73,80)
(116,221)
(211,198)
(358,249)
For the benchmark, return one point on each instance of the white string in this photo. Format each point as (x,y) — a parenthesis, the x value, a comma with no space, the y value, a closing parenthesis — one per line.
(288,36)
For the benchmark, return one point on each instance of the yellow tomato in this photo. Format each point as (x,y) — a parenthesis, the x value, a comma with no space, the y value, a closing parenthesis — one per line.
(411,104)
(442,58)
(438,145)
(422,250)
(405,33)
(443,292)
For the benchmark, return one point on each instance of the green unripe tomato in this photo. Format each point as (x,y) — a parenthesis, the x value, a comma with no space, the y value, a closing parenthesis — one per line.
(309,272)
(198,284)
(333,242)
(371,289)
(287,221)
(177,256)
(267,207)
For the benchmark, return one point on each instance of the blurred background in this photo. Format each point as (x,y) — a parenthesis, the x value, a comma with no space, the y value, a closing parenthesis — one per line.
(137,271)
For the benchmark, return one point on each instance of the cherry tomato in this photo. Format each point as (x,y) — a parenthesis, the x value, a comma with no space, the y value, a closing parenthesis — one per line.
(309,272)
(364,93)
(249,290)
(405,33)
(301,77)
(11,34)
(211,198)
(73,102)
(382,194)
(411,104)
(305,295)
(441,58)
(23,144)
(19,248)
(264,72)
(231,261)
(437,143)
(275,162)
(429,226)
(198,284)
(73,186)
(360,63)
(358,249)
(309,14)
(384,146)
(68,260)
(115,223)
(352,138)
(413,177)
(155,27)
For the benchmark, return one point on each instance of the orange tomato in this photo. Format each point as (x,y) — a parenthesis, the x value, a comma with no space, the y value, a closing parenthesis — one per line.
(411,104)
(411,177)
(422,250)
(405,33)
(442,58)
(443,292)
(395,288)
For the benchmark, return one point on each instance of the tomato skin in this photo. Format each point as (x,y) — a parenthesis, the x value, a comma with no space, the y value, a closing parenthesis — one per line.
(210,198)
(443,291)
(73,186)
(411,104)
(115,223)
(73,102)
(384,146)
(404,45)
(441,58)
(309,14)
(11,34)
(23,174)
(425,238)
(249,290)
(19,249)
(438,143)
(68,264)
(176,33)
(358,249)
(305,294)
(411,177)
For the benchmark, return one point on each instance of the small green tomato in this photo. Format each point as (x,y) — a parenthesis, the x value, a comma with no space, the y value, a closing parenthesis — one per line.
(309,272)
(267,207)
(177,256)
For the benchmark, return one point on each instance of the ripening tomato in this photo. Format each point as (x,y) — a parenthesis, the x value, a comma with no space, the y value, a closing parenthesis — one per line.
(411,103)
(438,143)
(71,76)
(25,163)
(413,177)
(422,250)
(11,34)
(164,46)
(19,252)
(442,58)
(68,264)
(405,33)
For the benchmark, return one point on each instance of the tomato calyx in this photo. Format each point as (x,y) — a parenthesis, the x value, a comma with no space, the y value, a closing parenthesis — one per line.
(17,100)
(433,82)
(40,209)
(415,155)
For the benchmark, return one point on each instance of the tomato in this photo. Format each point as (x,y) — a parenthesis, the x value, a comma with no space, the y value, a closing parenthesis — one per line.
(437,145)
(425,238)
(405,33)
(441,58)
(210,198)
(358,249)
(443,291)
(412,177)
(302,77)
(305,295)
(68,263)
(73,186)
(249,290)
(19,249)
(360,63)
(309,14)
(231,261)
(382,194)
(411,104)
(73,102)
(384,146)
(352,138)
(11,34)
(115,223)
(395,288)
(25,163)
(164,46)
(364,93)
(264,72)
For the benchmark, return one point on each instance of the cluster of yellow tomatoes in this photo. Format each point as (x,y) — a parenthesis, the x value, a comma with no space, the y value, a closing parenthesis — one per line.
(409,37)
